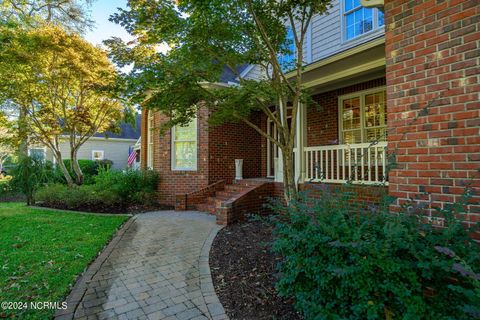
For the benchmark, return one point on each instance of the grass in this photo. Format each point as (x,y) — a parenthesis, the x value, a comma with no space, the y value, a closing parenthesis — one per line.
(43,251)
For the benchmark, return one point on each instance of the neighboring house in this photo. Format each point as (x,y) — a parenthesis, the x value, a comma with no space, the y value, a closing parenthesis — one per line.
(113,147)
(417,81)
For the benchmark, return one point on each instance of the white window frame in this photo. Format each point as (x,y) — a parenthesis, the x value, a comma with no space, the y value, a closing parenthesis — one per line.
(280,58)
(44,150)
(173,141)
(99,151)
(150,140)
(375,26)
(362,95)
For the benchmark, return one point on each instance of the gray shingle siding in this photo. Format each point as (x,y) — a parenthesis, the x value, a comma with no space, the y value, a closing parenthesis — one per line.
(327,34)
(326,38)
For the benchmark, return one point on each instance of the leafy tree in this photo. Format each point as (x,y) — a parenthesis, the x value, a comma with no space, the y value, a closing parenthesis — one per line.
(71,14)
(19,15)
(67,87)
(204,37)
(7,139)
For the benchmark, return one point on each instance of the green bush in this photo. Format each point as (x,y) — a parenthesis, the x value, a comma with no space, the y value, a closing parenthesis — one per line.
(90,169)
(345,261)
(112,191)
(83,198)
(28,175)
(127,184)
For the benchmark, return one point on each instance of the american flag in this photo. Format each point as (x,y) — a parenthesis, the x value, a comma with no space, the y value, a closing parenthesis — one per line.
(131,157)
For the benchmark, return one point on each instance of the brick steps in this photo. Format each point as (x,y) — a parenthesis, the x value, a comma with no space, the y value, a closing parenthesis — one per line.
(229,192)
(206,207)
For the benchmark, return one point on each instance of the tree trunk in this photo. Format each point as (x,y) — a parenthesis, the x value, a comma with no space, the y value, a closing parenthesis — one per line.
(76,168)
(289,186)
(63,168)
(72,169)
(22,133)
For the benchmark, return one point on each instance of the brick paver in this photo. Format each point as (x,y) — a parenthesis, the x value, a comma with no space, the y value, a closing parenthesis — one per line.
(157,268)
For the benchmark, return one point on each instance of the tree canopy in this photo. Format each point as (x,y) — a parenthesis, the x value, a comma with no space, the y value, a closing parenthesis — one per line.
(71,14)
(66,86)
(205,37)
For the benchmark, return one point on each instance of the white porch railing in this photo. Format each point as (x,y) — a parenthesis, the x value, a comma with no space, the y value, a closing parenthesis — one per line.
(358,163)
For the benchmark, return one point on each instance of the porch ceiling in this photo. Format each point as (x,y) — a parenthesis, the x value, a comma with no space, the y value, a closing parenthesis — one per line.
(362,63)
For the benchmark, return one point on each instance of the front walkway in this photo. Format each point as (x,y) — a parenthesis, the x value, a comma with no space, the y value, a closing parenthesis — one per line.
(157,268)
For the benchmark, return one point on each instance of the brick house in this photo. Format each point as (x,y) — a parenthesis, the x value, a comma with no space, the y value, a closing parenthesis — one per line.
(406,69)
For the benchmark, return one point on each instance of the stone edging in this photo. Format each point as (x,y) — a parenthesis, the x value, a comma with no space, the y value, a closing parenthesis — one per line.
(81,285)
(214,307)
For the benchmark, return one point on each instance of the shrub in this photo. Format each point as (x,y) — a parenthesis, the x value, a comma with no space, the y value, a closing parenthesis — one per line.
(28,175)
(90,169)
(130,185)
(344,261)
(112,191)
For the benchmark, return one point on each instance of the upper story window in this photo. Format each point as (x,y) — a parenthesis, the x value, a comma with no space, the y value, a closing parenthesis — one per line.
(359,20)
(287,60)
(184,146)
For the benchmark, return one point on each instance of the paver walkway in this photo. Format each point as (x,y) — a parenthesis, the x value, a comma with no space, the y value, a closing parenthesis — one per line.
(155,269)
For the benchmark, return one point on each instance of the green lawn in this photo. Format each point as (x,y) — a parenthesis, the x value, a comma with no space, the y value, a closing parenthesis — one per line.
(42,252)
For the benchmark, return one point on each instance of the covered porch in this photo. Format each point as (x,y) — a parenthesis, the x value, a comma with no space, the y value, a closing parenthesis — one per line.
(342,136)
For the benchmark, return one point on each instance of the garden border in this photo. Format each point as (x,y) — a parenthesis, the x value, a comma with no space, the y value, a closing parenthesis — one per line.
(214,306)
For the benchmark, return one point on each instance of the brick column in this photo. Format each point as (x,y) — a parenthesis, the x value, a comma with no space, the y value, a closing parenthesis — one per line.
(432,68)
(144,142)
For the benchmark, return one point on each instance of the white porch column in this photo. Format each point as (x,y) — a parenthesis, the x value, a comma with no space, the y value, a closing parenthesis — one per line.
(300,142)
(279,162)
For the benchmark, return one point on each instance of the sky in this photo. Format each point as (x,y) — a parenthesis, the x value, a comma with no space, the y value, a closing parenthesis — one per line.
(104,29)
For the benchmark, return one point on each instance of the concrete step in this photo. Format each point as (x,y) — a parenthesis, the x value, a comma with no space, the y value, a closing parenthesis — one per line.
(206,207)
(227,194)
(217,199)
(251,182)
(235,188)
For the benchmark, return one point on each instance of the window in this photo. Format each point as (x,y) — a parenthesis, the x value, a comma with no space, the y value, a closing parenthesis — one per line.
(362,117)
(39,153)
(184,146)
(360,20)
(150,140)
(287,60)
(97,155)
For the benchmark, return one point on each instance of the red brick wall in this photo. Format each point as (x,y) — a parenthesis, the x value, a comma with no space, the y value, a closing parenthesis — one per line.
(432,50)
(367,195)
(234,140)
(144,134)
(322,118)
(176,182)
(218,147)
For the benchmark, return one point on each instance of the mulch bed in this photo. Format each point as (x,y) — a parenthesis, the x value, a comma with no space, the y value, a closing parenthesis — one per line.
(243,272)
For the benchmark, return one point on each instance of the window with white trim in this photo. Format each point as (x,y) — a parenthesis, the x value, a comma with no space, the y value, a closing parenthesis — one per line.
(150,140)
(359,20)
(287,60)
(39,153)
(97,155)
(184,146)
(363,117)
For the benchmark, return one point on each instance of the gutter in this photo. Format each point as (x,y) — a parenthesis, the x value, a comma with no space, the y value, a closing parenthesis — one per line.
(373,4)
